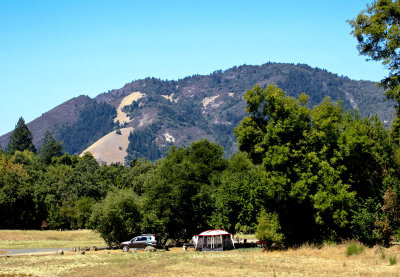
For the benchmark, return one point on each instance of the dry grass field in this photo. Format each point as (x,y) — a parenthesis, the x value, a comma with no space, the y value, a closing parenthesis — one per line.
(329,260)
(304,261)
(48,239)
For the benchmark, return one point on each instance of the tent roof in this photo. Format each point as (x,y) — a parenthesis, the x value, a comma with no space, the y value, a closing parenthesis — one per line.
(214,233)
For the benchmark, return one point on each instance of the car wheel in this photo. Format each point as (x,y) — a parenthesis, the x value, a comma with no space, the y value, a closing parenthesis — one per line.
(125,248)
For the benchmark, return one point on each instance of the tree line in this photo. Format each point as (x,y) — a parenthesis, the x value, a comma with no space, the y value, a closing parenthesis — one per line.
(301,175)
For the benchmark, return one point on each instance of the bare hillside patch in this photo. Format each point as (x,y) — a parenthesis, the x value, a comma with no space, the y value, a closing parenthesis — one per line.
(122,117)
(112,147)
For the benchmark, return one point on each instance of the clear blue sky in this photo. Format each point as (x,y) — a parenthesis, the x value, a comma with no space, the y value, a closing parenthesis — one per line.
(51,51)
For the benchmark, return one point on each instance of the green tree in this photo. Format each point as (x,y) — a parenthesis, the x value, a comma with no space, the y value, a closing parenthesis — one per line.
(57,193)
(238,196)
(297,149)
(21,138)
(82,211)
(50,148)
(178,193)
(118,217)
(377,29)
(85,179)
(16,204)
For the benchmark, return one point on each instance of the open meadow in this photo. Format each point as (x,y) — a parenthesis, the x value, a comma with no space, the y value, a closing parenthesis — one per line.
(329,260)
(21,239)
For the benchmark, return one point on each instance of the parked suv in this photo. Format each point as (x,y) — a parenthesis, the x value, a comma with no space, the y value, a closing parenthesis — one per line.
(141,241)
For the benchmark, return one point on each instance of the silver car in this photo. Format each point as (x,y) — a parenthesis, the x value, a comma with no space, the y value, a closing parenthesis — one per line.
(141,241)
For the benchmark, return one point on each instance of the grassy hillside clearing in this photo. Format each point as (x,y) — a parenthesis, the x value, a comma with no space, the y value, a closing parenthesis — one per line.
(111,148)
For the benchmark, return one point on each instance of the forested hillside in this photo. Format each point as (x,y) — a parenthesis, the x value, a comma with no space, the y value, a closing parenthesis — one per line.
(183,111)
(94,121)
(210,106)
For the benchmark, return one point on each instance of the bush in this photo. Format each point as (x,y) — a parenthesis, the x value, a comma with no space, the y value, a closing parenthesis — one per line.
(393,260)
(363,222)
(353,249)
(268,229)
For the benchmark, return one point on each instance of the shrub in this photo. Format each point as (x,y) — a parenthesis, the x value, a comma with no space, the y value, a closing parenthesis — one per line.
(393,260)
(268,229)
(364,221)
(353,249)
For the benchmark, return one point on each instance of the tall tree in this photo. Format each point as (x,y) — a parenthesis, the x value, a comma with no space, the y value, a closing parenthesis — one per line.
(118,216)
(299,152)
(377,29)
(50,148)
(238,196)
(21,138)
(178,193)
(16,204)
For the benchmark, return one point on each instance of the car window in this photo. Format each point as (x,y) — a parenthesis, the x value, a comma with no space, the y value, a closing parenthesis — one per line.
(142,238)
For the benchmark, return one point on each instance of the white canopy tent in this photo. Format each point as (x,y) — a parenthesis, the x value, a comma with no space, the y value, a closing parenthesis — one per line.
(213,240)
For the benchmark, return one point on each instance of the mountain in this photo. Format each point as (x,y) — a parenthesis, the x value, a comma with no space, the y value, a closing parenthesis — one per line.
(165,113)
(67,113)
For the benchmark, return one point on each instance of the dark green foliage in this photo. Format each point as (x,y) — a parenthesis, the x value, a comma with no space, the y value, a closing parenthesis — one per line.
(136,176)
(95,121)
(178,197)
(298,81)
(142,144)
(16,204)
(238,196)
(318,163)
(363,222)
(268,229)
(21,138)
(50,148)
(184,113)
(22,172)
(82,212)
(118,217)
(85,178)
(63,184)
(377,31)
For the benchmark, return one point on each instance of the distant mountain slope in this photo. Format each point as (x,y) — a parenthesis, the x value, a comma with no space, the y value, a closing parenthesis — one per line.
(166,113)
(67,113)
(95,120)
